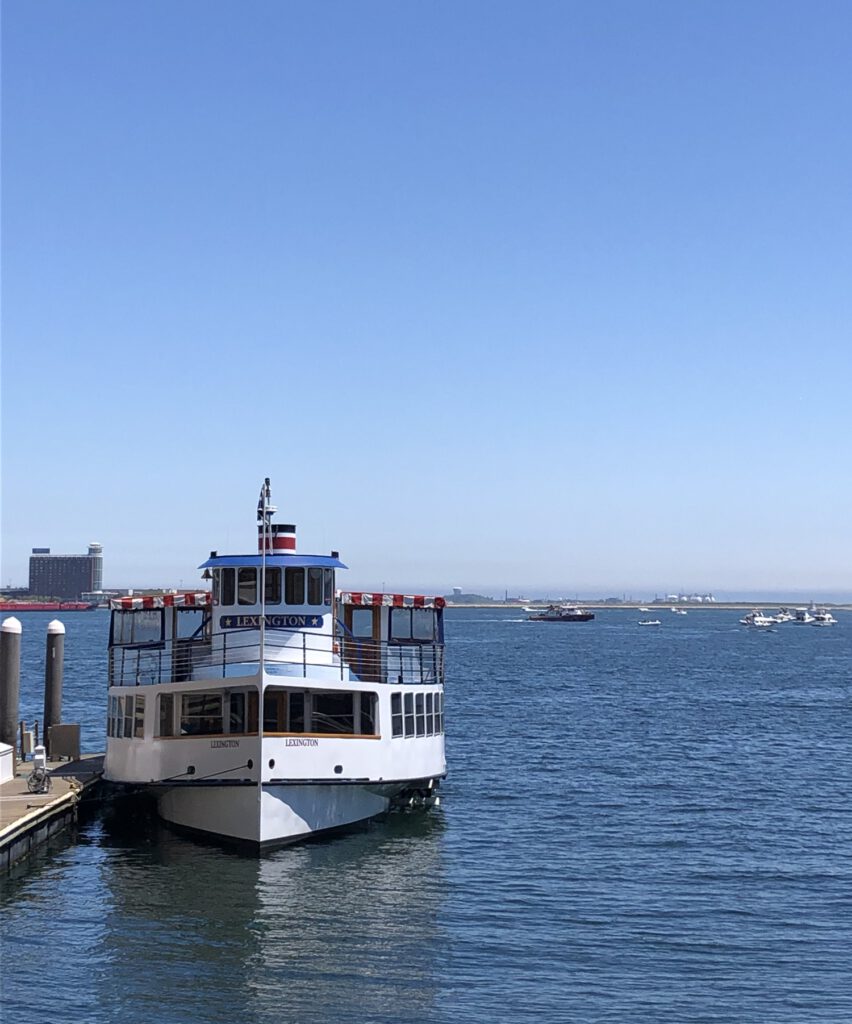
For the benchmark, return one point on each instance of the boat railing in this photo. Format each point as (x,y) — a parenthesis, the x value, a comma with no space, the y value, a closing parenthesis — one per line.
(291,652)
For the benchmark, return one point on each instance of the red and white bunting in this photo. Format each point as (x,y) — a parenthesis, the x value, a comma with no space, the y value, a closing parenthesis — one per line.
(390,600)
(194,599)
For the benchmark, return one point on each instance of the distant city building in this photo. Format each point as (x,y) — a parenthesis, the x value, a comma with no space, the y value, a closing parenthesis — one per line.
(66,576)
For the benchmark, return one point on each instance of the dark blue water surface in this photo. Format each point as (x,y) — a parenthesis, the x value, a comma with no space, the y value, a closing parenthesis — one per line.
(639,825)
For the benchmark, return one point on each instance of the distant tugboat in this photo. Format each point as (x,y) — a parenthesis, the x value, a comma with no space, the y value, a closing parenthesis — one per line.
(562,613)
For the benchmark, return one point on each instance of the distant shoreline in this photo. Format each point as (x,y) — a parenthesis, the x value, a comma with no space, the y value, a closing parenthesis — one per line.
(732,606)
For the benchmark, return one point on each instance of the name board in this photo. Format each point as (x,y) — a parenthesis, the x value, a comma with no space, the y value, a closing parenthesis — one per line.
(293,741)
(223,743)
(272,621)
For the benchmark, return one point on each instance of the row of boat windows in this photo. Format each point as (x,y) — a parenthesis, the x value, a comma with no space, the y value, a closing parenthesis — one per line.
(298,586)
(417,714)
(300,711)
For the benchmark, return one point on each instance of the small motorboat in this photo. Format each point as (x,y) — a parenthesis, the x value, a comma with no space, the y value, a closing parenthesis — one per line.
(757,620)
(650,622)
(823,617)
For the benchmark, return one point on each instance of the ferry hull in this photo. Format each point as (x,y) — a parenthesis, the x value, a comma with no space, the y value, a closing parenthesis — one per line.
(275,814)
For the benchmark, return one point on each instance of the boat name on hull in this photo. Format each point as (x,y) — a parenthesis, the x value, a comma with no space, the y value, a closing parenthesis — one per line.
(224,743)
(295,742)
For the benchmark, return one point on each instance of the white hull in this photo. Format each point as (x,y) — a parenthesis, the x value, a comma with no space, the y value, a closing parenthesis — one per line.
(283,814)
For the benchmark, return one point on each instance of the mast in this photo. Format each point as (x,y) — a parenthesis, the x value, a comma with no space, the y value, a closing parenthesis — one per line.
(265,511)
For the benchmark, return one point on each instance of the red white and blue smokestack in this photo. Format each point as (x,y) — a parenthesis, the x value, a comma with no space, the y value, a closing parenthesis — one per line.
(280,538)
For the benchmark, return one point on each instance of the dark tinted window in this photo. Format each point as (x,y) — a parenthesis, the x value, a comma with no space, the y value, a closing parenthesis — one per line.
(294,586)
(247,585)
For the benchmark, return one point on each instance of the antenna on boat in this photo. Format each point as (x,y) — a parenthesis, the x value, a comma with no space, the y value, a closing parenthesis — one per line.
(265,511)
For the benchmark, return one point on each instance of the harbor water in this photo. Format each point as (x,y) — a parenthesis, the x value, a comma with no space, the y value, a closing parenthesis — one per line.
(639,825)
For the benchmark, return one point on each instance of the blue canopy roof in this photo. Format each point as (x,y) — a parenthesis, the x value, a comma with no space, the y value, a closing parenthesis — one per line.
(285,561)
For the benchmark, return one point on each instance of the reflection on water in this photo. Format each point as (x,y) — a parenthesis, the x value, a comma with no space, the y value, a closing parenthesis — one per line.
(192,932)
(357,915)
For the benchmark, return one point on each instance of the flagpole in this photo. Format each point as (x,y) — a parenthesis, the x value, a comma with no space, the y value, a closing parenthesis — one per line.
(263,515)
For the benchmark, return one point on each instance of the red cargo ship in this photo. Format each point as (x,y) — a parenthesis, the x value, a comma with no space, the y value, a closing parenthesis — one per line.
(45,606)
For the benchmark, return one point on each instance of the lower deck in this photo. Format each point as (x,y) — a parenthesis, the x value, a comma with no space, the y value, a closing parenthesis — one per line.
(194,732)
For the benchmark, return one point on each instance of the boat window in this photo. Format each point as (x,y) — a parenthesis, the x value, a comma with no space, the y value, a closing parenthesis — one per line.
(111,717)
(128,717)
(413,624)
(122,627)
(201,714)
(242,712)
(430,717)
(139,718)
(137,627)
(328,586)
(237,716)
(217,580)
(439,713)
(368,714)
(188,621)
(332,712)
(400,627)
(314,586)
(166,715)
(228,591)
(396,714)
(362,622)
(294,586)
(423,624)
(421,715)
(247,585)
(273,712)
(296,720)
(273,585)
(408,700)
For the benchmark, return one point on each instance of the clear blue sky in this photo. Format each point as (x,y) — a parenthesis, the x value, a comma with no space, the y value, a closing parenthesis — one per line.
(525,295)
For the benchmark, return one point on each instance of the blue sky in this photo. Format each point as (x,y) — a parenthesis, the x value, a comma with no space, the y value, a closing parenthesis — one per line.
(549,296)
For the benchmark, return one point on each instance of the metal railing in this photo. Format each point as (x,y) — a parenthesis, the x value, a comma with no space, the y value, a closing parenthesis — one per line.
(185,658)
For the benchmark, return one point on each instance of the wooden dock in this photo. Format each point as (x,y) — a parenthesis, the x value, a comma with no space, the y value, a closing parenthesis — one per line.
(27,820)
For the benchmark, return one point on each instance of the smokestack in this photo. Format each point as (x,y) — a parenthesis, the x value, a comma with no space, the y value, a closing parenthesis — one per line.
(281,539)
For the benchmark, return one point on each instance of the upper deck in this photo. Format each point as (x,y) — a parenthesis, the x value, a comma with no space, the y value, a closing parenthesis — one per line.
(276,612)
(369,638)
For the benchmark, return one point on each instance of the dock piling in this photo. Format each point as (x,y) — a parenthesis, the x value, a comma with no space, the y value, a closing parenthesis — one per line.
(54,660)
(10,680)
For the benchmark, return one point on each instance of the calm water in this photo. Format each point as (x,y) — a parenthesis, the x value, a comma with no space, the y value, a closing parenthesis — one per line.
(639,825)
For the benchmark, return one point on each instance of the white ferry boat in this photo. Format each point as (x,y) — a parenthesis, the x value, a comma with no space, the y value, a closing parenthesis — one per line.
(276,707)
